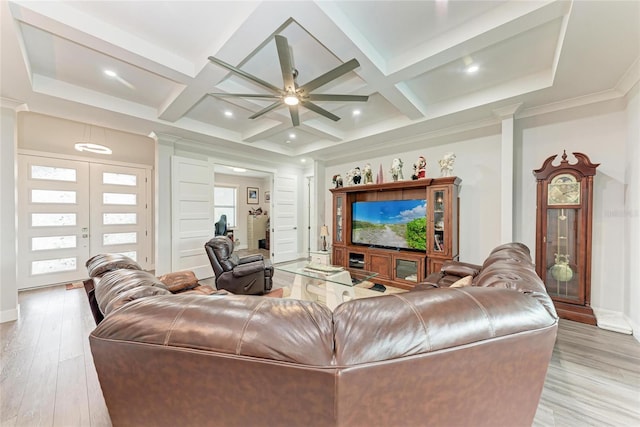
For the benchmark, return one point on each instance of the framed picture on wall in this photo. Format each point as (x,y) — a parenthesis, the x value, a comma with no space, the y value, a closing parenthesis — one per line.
(252,195)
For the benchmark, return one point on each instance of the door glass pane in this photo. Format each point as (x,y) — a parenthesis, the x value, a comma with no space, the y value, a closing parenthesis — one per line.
(119,199)
(53,242)
(131,254)
(53,196)
(53,265)
(338,219)
(438,221)
(562,279)
(119,218)
(119,179)
(119,238)
(52,219)
(51,173)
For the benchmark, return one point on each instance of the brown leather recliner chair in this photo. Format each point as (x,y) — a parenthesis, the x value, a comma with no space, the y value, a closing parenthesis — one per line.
(249,275)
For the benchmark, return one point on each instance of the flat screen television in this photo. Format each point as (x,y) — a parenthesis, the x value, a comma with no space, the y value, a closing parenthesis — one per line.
(398,224)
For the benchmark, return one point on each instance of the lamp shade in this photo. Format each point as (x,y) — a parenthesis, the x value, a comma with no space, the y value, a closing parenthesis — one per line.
(324,231)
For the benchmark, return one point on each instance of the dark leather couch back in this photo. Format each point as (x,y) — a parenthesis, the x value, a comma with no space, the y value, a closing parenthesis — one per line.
(473,356)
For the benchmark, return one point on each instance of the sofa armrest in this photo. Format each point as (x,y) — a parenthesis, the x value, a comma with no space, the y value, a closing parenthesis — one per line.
(460,269)
(242,270)
(250,258)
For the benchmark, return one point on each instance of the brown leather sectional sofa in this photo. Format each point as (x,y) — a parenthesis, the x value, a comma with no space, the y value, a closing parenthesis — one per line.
(469,356)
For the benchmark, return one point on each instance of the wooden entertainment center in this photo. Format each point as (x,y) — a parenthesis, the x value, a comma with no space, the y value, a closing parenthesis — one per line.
(398,267)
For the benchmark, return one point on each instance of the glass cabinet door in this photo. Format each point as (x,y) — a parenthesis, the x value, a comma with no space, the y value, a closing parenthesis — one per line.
(406,269)
(438,234)
(339,220)
(561,252)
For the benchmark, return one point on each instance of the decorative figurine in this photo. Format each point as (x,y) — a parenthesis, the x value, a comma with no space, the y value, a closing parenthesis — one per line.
(419,168)
(350,177)
(368,174)
(396,169)
(337,181)
(446,164)
(357,175)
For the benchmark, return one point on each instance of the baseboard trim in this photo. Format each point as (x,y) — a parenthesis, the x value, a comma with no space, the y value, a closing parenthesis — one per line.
(10,315)
(635,327)
(612,321)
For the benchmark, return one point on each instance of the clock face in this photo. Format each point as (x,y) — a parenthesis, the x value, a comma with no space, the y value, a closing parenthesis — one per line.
(564,189)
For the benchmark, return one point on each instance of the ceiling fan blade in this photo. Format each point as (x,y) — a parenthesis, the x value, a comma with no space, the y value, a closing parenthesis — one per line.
(244,95)
(286,63)
(295,117)
(340,98)
(246,75)
(330,75)
(313,107)
(266,110)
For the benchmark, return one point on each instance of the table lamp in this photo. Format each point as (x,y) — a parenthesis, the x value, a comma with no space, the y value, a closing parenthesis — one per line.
(324,233)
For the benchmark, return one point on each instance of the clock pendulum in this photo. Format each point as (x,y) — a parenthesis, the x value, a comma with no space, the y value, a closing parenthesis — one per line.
(560,270)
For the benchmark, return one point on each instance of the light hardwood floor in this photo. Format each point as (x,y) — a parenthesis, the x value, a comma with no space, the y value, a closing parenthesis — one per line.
(47,376)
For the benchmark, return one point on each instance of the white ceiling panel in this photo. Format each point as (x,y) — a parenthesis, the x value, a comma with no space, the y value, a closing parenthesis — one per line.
(411,55)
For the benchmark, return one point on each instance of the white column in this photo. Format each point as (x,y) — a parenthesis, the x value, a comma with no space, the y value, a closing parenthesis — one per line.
(164,151)
(507,116)
(9,307)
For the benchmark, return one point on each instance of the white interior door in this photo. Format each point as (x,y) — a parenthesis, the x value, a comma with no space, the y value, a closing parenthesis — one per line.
(119,212)
(192,215)
(284,222)
(53,220)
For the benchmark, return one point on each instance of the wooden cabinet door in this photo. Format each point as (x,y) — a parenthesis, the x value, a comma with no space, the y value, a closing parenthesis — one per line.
(338,255)
(381,264)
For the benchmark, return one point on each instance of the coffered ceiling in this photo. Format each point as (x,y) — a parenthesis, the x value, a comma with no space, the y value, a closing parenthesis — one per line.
(414,60)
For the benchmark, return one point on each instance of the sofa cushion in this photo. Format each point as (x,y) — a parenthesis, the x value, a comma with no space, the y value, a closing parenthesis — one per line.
(102,263)
(268,328)
(462,283)
(460,269)
(115,282)
(400,325)
(179,280)
(132,294)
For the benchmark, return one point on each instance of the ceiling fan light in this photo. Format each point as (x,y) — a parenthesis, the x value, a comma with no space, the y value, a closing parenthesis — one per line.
(291,100)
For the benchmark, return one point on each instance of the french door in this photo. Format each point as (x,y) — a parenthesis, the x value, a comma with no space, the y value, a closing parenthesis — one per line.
(70,210)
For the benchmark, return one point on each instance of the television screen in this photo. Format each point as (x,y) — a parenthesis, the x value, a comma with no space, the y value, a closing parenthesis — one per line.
(390,224)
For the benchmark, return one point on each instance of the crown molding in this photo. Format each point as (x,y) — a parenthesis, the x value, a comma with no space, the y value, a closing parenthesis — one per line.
(13,104)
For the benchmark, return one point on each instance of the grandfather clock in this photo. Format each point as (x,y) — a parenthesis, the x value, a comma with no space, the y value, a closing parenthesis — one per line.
(563,234)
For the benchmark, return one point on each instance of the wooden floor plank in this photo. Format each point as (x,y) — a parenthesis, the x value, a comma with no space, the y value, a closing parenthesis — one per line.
(47,376)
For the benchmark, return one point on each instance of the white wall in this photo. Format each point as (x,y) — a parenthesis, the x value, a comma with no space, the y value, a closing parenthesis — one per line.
(599,131)
(9,309)
(477,164)
(632,214)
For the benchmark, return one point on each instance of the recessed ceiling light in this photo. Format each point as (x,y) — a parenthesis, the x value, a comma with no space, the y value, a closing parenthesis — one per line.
(287,142)
(292,135)
(110,73)
(228,113)
(303,160)
(92,148)
(472,69)
(356,112)
(238,169)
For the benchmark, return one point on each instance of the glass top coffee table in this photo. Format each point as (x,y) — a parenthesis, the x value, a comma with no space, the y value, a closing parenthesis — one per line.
(328,284)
